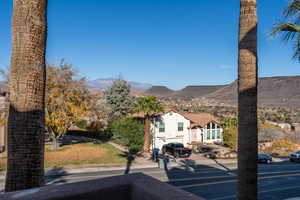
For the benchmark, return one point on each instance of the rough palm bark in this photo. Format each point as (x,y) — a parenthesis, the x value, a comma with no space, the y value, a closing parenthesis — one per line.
(247,101)
(27,96)
(147,137)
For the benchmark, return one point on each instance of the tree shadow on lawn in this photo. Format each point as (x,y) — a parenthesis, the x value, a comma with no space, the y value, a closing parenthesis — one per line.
(96,136)
(78,137)
(55,176)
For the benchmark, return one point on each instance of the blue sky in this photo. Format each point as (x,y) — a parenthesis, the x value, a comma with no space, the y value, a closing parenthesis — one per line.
(162,42)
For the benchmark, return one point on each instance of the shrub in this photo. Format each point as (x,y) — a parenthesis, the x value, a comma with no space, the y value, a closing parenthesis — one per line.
(230,134)
(230,137)
(129,132)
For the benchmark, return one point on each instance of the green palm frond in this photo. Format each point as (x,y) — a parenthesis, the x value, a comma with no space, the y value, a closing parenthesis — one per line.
(289,29)
(293,9)
(297,49)
(148,105)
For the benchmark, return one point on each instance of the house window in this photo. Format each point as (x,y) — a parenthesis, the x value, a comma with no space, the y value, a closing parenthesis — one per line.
(161,127)
(208,135)
(213,135)
(180,126)
(218,134)
(208,126)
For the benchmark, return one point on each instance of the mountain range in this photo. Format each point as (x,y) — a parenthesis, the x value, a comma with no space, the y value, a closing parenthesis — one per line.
(192,91)
(280,91)
(104,83)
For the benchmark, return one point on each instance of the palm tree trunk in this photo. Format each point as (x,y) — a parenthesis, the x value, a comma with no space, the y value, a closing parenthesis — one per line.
(147,137)
(247,101)
(26,123)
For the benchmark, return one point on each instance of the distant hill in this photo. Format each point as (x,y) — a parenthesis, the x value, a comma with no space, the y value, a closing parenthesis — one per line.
(281,91)
(159,90)
(196,91)
(187,92)
(104,83)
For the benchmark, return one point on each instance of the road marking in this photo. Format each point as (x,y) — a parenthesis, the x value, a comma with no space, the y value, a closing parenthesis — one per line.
(260,192)
(229,175)
(206,184)
(278,172)
(198,178)
(232,181)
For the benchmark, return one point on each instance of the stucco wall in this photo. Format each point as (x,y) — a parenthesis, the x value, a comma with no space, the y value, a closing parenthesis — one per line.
(171,134)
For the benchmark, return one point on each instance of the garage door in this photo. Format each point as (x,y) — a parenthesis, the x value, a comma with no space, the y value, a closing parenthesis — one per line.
(160,142)
(171,140)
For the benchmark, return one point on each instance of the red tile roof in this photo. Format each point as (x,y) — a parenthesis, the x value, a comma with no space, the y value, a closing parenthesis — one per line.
(198,119)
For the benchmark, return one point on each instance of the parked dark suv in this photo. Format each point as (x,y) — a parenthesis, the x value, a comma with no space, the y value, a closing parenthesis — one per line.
(177,150)
(295,156)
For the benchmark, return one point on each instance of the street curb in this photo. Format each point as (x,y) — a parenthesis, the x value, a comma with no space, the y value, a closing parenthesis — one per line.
(51,172)
(85,169)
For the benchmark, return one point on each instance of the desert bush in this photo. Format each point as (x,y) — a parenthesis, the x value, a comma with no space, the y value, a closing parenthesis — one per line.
(285,144)
(282,148)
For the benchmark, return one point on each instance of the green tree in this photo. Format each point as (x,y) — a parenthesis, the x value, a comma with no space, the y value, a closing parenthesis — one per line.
(247,101)
(129,132)
(230,132)
(290,30)
(67,100)
(148,105)
(26,120)
(119,100)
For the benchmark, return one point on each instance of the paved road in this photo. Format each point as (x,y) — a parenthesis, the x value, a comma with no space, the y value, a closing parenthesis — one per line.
(215,182)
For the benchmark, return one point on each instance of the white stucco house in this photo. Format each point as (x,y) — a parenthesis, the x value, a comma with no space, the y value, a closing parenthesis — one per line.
(186,128)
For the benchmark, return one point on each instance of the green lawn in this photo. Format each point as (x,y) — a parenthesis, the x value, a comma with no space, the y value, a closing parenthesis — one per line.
(85,154)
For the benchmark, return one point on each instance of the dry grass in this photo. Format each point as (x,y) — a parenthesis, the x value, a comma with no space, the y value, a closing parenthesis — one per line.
(80,154)
(267,125)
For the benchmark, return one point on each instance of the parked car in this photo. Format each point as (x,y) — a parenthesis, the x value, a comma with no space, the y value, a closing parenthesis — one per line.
(177,150)
(295,156)
(264,158)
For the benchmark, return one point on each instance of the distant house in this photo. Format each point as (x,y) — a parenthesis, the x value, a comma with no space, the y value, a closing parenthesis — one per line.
(285,126)
(185,128)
